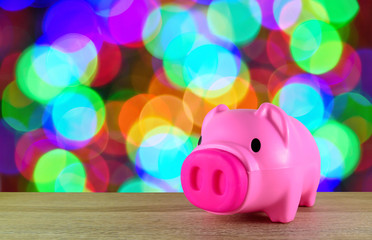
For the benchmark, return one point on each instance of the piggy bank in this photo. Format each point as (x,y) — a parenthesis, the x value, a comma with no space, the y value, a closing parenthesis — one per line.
(251,160)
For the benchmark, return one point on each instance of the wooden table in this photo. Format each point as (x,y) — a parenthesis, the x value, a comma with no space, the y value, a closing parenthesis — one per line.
(171,216)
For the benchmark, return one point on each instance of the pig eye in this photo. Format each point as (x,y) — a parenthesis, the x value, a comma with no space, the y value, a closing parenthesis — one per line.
(255,145)
(199,141)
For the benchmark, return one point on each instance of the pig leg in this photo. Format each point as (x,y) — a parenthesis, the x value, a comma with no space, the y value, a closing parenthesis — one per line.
(285,210)
(309,192)
(308,197)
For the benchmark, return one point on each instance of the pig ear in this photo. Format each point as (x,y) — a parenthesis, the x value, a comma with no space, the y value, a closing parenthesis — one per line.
(213,112)
(277,117)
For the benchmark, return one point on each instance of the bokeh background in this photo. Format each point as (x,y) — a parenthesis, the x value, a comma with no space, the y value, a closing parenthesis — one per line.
(110,95)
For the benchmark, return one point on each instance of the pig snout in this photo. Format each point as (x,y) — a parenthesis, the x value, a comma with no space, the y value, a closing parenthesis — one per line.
(214,180)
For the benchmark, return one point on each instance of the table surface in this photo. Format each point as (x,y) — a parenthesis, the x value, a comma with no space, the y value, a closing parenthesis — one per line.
(171,216)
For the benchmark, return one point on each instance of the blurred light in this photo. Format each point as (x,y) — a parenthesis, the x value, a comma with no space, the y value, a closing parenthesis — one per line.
(166,185)
(119,173)
(169,109)
(20,112)
(78,113)
(204,2)
(59,171)
(320,86)
(331,159)
(42,72)
(257,50)
(7,70)
(29,82)
(286,12)
(163,110)
(163,25)
(302,102)
(126,27)
(71,179)
(7,148)
(71,16)
(328,185)
(316,46)
(110,8)
(278,49)
(111,95)
(137,185)
(131,111)
(43,3)
(98,175)
(347,143)
(237,21)
(337,12)
(209,63)
(161,84)
(15,5)
(71,59)
(345,76)
(279,77)
(366,70)
(109,64)
(163,151)
(228,90)
(138,131)
(355,111)
(366,153)
(198,105)
(174,58)
(30,147)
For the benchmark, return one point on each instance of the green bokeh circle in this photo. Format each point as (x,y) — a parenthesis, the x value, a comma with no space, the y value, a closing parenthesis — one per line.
(345,140)
(28,80)
(238,21)
(20,112)
(59,171)
(339,12)
(316,46)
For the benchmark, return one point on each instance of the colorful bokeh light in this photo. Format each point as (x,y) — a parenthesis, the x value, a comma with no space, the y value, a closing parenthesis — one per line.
(238,21)
(111,95)
(59,171)
(78,113)
(336,12)
(316,46)
(341,163)
(302,102)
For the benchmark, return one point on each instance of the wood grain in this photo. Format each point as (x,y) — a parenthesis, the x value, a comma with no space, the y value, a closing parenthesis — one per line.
(171,216)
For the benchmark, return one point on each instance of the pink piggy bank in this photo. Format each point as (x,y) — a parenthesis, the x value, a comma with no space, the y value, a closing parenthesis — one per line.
(252,160)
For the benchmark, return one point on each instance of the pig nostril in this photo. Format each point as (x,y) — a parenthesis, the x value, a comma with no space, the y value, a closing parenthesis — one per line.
(195,178)
(219,182)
